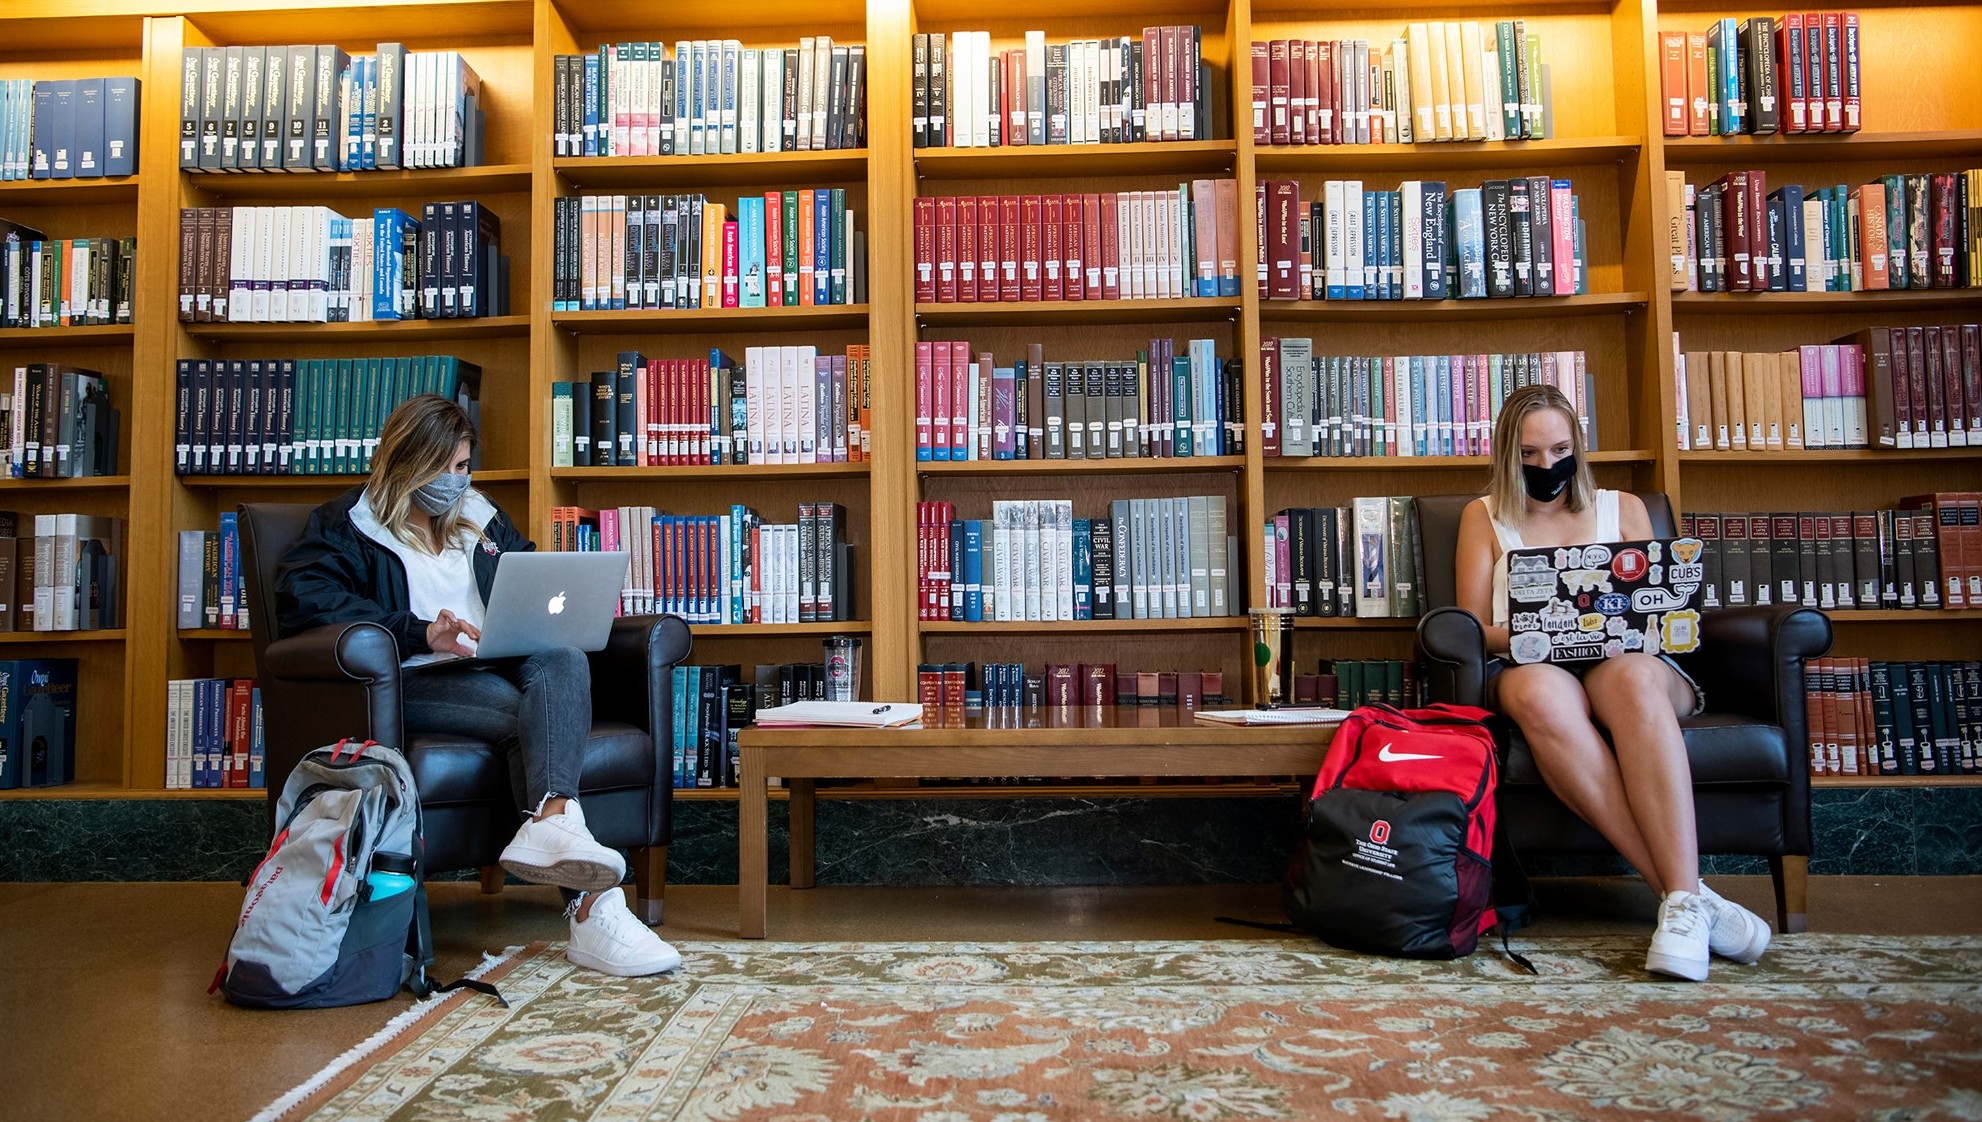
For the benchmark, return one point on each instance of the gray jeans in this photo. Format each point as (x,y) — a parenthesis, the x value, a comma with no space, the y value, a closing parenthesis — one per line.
(537,709)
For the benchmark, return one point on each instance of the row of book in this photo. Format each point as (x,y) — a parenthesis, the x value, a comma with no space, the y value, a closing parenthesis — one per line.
(309,264)
(1795,73)
(1918,556)
(213,734)
(710,97)
(781,249)
(301,416)
(1158,403)
(68,128)
(1359,559)
(1114,245)
(38,704)
(1113,90)
(1404,405)
(1887,387)
(1439,80)
(713,703)
(1345,683)
(1893,718)
(1424,241)
(1032,560)
(1896,232)
(781,405)
(61,572)
(212,585)
(58,424)
(730,568)
(58,282)
(313,107)
(1013,685)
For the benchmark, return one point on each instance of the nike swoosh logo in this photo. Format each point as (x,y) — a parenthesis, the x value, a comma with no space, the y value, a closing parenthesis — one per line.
(1390,757)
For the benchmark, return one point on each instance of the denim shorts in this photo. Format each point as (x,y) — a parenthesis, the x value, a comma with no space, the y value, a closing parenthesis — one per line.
(1496,664)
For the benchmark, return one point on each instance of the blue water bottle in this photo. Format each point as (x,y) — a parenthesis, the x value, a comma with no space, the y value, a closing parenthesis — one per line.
(384,884)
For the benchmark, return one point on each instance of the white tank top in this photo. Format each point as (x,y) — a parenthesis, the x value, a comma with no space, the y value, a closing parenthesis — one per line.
(1506,538)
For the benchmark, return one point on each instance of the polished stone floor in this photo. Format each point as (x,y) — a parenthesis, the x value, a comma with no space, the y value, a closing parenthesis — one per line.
(104,1014)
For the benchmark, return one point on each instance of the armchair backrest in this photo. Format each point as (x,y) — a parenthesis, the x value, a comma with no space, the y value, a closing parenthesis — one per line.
(267,532)
(1438,531)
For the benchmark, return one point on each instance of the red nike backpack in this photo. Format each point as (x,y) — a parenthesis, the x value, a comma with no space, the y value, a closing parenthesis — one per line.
(1397,856)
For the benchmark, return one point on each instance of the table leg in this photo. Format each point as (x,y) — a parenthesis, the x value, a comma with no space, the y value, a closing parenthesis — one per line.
(752,875)
(802,832)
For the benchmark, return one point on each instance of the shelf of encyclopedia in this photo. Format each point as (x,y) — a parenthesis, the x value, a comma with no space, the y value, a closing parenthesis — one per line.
(1956,780)
(369,331)
(709,321)
(328,482)
(1078,313)
(1952,301)
(424,183)
(839,165)
(103,635)
(1449,311)
(1813,148)
(91,335)
(80,483)
(1424,463)
(1188,157)
(710,472)
(1142,465)
(69,192)
(1281,161)
(1833,456)
(1061,627)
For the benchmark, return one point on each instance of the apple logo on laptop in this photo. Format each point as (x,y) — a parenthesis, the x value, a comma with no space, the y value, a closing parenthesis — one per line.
(557,604)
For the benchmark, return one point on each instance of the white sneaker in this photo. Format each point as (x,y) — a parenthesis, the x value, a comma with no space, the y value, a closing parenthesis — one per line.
(1679,946)
(612,941)
(1735,932)
(560,850)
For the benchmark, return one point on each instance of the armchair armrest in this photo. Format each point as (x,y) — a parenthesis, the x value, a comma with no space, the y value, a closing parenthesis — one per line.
(1750,660)
(341,679)
(631,680)
(1453,646)
(335,652)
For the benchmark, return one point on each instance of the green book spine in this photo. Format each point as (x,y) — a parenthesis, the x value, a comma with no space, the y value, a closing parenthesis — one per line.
(1510,94)
(838,256)
(791,217)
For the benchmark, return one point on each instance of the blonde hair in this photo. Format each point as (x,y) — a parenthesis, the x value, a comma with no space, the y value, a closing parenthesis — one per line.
(1507,495)
(416,445)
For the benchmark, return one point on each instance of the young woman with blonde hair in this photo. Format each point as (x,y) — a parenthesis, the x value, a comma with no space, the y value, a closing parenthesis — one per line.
(415,550)
(1636,790)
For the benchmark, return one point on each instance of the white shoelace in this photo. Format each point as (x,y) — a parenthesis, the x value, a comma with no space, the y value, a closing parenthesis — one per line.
(1681,916)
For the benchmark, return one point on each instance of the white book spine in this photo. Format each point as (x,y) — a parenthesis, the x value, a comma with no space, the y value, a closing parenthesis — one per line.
(749,115)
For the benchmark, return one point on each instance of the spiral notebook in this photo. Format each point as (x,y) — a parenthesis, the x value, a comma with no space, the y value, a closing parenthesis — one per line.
(841,714)
(1295,715)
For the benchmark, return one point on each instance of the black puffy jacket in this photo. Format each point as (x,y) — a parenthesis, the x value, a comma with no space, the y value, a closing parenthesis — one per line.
(335,573)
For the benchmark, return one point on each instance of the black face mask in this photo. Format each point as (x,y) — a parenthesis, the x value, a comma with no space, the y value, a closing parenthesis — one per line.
(1545,483)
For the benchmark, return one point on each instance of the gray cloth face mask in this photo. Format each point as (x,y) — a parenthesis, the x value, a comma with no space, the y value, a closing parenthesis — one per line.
(441,494)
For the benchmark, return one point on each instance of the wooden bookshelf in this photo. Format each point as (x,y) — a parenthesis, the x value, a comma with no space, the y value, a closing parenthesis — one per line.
(1607,141)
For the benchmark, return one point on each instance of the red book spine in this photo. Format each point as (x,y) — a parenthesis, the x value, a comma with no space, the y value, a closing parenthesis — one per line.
(1959,419)
(1971,376)
(1298,91)
(939,402)
(667,381)
(1790,74)
(1916,376)
(1943,229)
(1052,255)
(1031,282)
(1090,226)
(945,589)
(1328,129)
(1072,235)
(1734,208)
(987,249)
(1259,236)
(946,250)
(1284,240)
(922,516)
(967,256)
(1152,85)
(925,248)
(1848,72)
(925,399)
(961,372)
(1008,249)
(1260,86)
(1813,72)
(240,731)
(1833,72)
(1279,91)
(1269,397)
(1111,250)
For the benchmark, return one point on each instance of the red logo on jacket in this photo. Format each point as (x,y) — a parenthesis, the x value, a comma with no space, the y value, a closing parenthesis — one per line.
(1379,831)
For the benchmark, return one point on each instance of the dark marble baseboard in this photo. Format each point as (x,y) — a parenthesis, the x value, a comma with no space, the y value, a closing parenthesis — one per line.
(1877,831)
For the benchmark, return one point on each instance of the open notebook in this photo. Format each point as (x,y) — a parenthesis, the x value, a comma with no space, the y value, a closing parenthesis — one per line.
(1297,715)
(843,714)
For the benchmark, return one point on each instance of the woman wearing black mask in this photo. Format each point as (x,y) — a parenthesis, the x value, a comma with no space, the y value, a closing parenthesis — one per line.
(1636,791)
(415,550)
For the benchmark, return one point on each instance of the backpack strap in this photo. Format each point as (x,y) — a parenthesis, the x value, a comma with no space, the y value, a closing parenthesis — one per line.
(420,943)
(1288,927)
(1512,895)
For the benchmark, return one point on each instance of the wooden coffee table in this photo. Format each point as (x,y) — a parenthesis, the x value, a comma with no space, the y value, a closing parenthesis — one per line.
(1085,742)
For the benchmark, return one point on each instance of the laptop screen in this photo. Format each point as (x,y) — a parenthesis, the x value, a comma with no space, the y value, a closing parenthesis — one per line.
(1580,603)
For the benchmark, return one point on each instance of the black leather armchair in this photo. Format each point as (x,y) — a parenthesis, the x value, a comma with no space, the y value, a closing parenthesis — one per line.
(1751,774)
(343,680)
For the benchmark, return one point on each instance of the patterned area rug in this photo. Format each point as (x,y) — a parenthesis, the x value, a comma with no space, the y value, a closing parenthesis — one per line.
(1824,1027)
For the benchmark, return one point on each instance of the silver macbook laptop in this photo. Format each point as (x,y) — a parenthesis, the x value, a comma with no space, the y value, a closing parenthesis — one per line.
(551,599)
